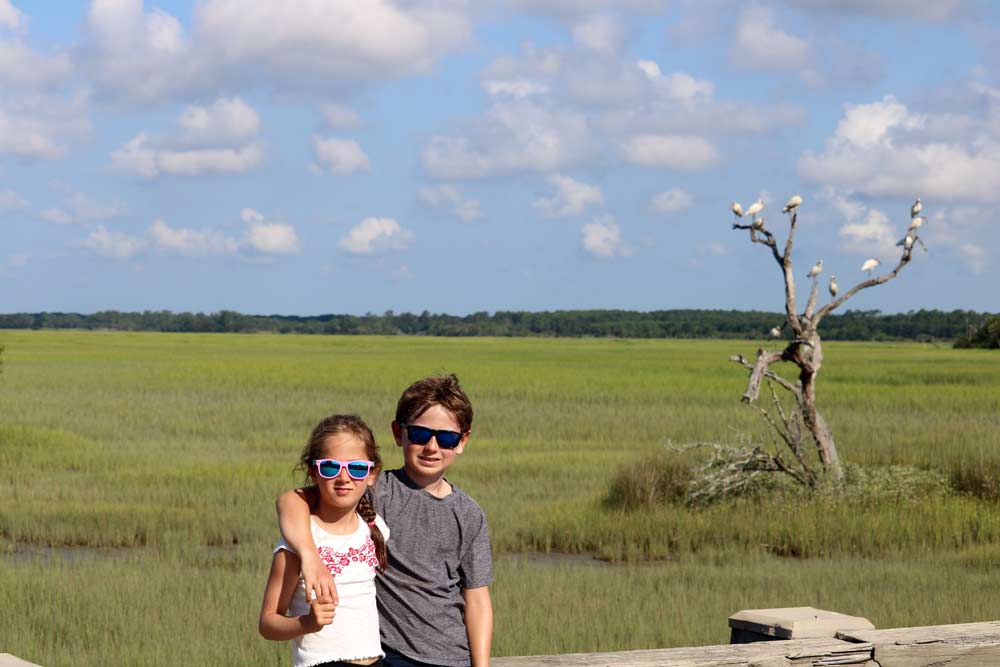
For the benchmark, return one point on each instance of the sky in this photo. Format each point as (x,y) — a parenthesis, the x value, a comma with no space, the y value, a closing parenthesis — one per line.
(455,156)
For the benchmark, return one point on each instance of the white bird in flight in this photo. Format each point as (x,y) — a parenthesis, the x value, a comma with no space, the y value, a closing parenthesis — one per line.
(815,270)
(755,208)
(792,204)
(737,209)
(916,208)
(870,265)
(833,285)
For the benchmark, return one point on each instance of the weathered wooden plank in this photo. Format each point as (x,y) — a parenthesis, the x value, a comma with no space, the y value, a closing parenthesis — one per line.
(8,660)
(791,623)
(793,653)
(960,645)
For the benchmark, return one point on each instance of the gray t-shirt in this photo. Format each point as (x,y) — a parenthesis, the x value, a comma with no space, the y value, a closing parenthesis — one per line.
(439,547)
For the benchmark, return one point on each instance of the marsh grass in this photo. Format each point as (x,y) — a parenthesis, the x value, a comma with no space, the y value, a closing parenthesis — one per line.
(156,458)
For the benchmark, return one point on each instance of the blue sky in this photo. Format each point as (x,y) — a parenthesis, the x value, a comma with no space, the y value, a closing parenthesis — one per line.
(463,155)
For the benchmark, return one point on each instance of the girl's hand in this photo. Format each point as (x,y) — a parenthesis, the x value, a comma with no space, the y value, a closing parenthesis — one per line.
(318,580)
(321,612)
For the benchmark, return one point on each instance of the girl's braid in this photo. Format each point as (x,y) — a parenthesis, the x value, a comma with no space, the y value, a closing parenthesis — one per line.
(367,512)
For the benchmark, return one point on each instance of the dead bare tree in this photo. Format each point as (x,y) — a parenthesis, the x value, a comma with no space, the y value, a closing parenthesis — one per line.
(794,428)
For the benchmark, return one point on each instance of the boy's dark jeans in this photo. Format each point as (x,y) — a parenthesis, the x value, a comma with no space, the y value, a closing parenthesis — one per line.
(393,659)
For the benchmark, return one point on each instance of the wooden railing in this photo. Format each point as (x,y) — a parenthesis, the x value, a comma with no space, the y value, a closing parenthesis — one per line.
(965,645)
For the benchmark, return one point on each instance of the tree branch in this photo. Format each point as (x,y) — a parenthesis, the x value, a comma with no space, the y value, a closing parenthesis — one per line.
(786,265)
(811,304)
(757,371)
(740,359)
(872,282)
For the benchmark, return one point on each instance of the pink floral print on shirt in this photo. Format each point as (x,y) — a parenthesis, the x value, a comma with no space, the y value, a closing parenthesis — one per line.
(336,561)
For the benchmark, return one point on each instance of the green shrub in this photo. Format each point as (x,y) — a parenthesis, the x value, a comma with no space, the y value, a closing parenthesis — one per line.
(978,480)
(648,483)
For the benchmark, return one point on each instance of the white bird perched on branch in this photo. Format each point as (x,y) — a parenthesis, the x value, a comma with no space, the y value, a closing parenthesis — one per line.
(815,270)
(906,241)
(833,285)
(915,223)
(758,224)
(737,209)
(775,332)
(916,208)
(870,265)
(755,208)
(792,204)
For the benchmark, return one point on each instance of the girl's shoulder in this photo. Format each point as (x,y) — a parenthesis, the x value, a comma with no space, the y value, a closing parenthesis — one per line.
(382,526)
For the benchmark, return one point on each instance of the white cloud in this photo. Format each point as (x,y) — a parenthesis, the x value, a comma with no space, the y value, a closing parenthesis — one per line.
(216,139)
(11,202)
(670,151)
(142,56)
(864,230)
(341,117)
(760,42)
(601,33)
(19,259)
(41,126)
(936,11)
(56,215)
(671,201)
(112,244)
(250,216)
(449,196)
(376,235)
(575,8)
(273,238)
(138,157)
(513,137)
(23,68)
(516,88)
(354,41)
(226,121)
(339,156)
(191,242)
(572,197)
(714,249)
(884,149)
(602,238)
(137,55)
(10,16)
(88,209)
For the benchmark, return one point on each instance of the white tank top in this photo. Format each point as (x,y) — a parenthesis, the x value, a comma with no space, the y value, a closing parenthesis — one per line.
(354,633)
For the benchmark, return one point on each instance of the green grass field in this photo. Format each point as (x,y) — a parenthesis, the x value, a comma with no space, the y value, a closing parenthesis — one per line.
(138,474)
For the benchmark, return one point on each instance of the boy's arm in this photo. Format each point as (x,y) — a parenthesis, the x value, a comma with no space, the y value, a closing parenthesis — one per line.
(293,520)
(479,624)
(278,591)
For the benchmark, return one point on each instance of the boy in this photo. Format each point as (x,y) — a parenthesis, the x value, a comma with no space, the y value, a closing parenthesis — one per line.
(433,600)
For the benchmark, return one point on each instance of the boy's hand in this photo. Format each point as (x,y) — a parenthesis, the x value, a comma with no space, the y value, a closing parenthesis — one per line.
(321,612)
(318,580)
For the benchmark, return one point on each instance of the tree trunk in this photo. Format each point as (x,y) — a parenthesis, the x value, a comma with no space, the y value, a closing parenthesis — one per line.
(810,354)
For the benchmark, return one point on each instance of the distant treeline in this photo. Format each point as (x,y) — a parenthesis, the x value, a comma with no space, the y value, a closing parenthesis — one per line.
(986,336)
(851,325)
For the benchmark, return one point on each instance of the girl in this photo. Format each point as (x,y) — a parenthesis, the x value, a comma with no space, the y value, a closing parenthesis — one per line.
(341,461)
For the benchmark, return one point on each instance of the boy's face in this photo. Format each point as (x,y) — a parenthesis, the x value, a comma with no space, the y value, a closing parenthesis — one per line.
(429,461)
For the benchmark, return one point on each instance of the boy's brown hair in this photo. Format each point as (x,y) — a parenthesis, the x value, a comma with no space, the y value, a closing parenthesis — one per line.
(443,390)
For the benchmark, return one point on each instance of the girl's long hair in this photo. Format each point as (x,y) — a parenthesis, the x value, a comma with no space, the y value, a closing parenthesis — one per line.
(354,425)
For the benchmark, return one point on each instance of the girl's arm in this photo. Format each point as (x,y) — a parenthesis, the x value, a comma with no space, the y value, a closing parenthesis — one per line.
(293,520)
(278,591)
(479,624)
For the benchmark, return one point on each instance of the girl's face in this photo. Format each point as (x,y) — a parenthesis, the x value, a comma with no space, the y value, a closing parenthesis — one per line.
(343,491)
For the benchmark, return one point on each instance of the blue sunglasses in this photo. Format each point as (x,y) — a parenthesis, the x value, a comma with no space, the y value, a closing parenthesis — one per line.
(421,435)
(330,468)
